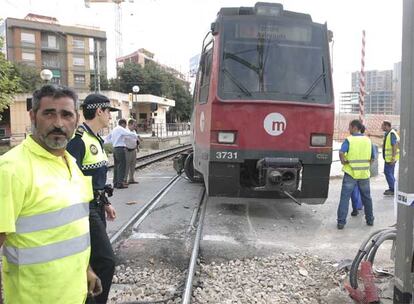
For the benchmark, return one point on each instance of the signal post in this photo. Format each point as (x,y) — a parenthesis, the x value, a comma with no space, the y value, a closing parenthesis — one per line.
(404,276)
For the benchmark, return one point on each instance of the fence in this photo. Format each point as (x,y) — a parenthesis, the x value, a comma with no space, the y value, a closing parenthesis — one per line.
(162,130)
(373,124)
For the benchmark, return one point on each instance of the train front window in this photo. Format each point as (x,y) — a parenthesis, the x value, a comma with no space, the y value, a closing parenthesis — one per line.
(274,60)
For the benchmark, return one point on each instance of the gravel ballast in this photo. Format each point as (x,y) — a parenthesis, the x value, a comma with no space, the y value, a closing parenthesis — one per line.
(283,278)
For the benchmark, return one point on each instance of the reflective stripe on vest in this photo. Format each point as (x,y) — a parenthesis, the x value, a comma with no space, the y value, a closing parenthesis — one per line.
(95,166)
(25,224)
(358,157)
(47,253)
(388,147)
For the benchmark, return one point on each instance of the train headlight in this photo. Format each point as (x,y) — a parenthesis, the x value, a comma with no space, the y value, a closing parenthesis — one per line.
(318,140)
(268,9)
(226,137)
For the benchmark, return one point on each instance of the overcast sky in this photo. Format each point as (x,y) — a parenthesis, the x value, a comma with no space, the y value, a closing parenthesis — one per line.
(174,29)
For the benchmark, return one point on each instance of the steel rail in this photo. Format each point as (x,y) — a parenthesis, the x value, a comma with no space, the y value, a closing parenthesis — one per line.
(143,212)
(148,159)
(186,298)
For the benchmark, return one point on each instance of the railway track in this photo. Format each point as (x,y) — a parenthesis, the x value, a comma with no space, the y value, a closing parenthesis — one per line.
(148,159)
(193,234)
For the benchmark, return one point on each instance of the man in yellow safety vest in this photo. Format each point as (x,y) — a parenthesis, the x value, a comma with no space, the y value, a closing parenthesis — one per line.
(391,154)
(356,154)
(44,203)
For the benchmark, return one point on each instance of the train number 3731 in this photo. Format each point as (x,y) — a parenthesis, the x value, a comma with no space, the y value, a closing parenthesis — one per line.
(226,155)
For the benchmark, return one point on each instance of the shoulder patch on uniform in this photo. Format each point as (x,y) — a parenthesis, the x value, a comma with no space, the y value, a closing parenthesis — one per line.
(79,131)
(93,149)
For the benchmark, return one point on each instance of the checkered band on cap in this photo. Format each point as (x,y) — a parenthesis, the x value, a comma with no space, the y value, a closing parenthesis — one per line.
(98,105)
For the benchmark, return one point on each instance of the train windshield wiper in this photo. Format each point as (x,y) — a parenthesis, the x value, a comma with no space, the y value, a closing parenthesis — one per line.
(316,82)
(237,83)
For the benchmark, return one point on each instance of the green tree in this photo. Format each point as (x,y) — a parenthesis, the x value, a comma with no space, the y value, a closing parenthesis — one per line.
(9,81)
(105,85)
(29,77)
(153,79)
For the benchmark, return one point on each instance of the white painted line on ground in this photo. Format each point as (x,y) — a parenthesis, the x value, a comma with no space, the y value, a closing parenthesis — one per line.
(252,230)
(137,236)
(220,238)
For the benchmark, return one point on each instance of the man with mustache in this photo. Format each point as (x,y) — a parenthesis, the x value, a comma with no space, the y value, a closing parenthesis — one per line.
(88,150)
(44,209)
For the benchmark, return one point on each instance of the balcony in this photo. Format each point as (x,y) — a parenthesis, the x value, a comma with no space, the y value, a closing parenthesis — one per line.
(50,48)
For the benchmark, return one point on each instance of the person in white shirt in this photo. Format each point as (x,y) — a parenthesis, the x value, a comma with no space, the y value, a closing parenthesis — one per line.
(117,139)
(131,153)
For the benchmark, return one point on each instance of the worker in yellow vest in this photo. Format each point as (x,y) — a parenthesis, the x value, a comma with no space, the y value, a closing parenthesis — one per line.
(356,155)
(44,207)
(391,154)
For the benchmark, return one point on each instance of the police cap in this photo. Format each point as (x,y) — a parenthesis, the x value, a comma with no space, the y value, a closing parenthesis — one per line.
(95,101)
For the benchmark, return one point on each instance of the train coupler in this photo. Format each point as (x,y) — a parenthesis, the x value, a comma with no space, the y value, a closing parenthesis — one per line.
(279,174)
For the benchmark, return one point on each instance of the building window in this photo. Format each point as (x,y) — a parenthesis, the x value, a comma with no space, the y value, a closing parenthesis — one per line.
(79,78)
(51,42)
(55,80)
(79,60)
(91,45)
(78,43)
(56,77)
(50,60)
(27,38)
(28,56)
(91,62)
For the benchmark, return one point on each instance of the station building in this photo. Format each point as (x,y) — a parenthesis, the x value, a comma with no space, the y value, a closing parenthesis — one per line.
(145,108)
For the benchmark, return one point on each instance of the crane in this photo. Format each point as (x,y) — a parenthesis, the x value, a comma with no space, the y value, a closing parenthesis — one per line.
(118,21)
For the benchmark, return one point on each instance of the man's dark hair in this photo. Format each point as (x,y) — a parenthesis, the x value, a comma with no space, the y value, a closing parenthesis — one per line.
(55,92)
(89,114)
(131,122)
(122,122)
(356,123)
(363,129)
(387,123)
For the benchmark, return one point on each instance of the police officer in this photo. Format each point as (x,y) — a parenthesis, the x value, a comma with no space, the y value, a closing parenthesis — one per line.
(44,209)
(87,147)
(356,154)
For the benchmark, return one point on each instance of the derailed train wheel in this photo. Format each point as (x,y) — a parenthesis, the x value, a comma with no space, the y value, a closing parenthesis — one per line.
(192,174)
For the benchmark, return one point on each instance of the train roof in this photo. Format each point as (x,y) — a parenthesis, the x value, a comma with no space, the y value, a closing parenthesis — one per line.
(263,9)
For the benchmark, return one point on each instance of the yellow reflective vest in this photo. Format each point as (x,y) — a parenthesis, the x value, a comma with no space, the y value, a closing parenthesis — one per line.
(44,212)
(388,147)
(358,157)
(95,157)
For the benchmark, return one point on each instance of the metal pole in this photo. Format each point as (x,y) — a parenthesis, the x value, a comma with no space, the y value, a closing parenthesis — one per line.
(98,65)
(362,81)
(95,65)
(403,286)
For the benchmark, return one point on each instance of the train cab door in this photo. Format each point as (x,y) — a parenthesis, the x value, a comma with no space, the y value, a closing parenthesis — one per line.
(202,107)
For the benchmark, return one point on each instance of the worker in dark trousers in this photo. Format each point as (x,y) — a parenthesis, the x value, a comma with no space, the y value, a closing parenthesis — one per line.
(391,154)
(87,147)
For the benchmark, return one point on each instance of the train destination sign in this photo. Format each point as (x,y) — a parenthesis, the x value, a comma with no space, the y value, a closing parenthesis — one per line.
(271,31)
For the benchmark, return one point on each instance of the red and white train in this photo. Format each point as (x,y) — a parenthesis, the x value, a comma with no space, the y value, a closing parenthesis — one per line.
(263,106)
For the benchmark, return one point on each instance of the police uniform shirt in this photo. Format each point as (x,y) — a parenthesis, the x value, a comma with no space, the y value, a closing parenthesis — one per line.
(78,149)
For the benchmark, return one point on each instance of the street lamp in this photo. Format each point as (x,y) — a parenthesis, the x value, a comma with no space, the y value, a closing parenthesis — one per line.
(46,75)
(135,89)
